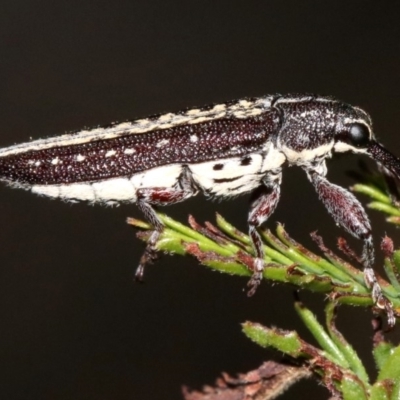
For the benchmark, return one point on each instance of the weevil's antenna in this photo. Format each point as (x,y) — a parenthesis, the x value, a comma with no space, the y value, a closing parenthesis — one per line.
(385,158)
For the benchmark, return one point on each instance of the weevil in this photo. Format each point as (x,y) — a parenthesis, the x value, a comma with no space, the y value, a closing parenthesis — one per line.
(221,150)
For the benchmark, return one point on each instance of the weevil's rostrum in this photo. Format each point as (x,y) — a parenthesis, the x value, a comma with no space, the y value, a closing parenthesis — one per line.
(221,150)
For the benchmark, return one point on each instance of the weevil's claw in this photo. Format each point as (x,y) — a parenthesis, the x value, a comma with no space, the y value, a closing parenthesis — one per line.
(383,303)
(139,273)
(148,257)
(386,305)
(254,283)
(380,300)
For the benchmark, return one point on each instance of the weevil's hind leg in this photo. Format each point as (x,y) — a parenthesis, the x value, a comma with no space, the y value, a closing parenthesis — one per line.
(348,212)
(147,198)
(264,201)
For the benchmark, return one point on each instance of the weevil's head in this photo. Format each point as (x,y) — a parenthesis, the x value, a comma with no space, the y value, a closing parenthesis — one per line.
(354,133)
(314,126)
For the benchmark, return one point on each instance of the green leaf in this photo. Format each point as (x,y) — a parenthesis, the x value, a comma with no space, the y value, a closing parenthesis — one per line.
(372,191)
(391,367)
(287,342)
(344,347)
(287,261)
(321,335)
(381,391)
(352,388)
(381,353)
(395,395)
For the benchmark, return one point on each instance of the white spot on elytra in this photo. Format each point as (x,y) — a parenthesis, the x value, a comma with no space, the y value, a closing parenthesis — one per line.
(111,153)
(55,161)
(219,108)
(194,111)
(194,138)
(166,117)
(129,151)
(162,143)
(143,121)
(37,163)
(245,103)
(80,157)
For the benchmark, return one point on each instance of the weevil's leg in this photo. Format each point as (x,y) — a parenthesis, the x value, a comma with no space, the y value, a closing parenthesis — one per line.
(147,198)
(264,201)
(348,212)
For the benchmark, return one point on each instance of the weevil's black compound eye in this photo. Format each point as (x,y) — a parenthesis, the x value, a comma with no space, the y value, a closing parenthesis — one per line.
(358,135)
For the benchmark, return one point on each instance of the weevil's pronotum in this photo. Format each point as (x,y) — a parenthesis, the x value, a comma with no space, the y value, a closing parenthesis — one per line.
(221,150)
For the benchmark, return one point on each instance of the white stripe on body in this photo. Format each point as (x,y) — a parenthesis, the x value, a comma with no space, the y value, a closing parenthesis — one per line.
(248,176)
(124,189)
(112,190)
(240,109)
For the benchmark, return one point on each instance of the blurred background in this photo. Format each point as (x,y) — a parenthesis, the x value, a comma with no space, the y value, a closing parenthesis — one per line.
(73,323)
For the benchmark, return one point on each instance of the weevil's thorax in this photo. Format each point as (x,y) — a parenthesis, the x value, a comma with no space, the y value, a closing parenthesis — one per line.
(312,127)
(308,128)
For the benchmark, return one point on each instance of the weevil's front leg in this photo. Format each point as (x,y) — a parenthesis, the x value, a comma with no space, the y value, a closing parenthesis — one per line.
(265,199)
(147,197)
(348,212)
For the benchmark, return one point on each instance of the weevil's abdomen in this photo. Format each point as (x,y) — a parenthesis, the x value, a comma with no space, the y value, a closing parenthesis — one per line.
(114,190)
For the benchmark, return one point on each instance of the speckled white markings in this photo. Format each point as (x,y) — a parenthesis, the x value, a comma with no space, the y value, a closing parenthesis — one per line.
(129,151)
(162,143)
(239,109)
(110,153)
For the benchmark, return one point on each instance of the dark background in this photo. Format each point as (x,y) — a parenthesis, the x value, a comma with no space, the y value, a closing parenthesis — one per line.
(73,324)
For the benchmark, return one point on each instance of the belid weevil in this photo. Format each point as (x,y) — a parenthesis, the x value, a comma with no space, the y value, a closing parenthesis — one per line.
(220,150)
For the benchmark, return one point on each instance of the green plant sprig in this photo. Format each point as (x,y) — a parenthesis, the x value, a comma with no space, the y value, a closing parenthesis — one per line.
(373,185)
(225,249)
(335,361)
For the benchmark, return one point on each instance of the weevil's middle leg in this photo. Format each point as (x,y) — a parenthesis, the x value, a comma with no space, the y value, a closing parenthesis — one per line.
(348,212)
(147,197)
(265,199)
